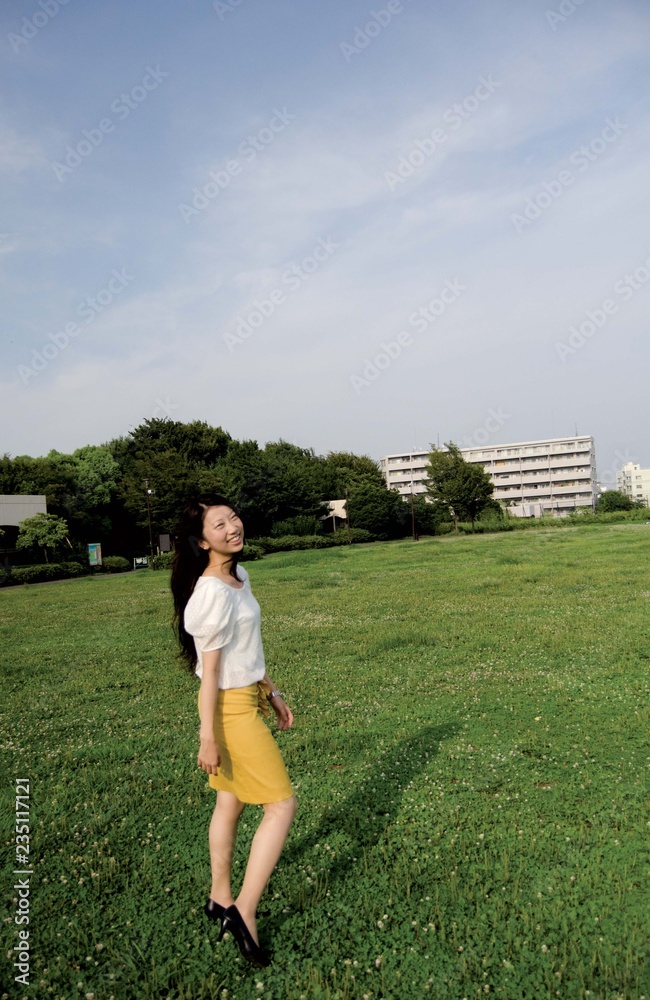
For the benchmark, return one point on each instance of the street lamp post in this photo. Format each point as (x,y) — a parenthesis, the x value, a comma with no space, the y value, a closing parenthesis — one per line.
(413,531)
(347,513)
(149,493)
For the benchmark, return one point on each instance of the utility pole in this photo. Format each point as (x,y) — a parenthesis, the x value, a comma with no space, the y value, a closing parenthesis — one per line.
(347,513)
(148,494)
(413,531)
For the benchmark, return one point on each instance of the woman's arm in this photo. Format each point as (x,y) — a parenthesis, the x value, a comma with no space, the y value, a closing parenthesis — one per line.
(283,714)
(209,757)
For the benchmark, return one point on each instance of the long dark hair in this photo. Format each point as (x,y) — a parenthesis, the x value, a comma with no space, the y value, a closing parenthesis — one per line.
(189,562)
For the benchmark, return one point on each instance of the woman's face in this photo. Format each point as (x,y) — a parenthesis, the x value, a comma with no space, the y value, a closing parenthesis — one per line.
(223,531)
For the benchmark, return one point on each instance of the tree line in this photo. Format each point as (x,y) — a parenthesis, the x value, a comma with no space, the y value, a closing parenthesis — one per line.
(100,493)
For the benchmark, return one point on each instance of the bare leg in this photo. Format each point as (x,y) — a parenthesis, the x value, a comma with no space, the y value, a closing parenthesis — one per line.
(222,836)
(265,850)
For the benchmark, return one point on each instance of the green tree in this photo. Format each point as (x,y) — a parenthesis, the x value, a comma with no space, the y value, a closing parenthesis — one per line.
(462,488)
(377,509)
(97,473)
(615,500)
(427,515)
(493,509)
(197,442)
(95,487)
(46,530)
(276,483)
(53,476)
(176,459)
(338,470)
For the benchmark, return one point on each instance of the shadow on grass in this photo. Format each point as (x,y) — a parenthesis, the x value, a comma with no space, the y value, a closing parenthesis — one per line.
(363,816)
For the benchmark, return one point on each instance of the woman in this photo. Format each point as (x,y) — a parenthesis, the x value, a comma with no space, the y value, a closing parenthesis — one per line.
(218,626)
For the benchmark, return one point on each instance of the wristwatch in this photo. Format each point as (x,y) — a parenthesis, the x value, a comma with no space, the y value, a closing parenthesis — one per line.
(274,694)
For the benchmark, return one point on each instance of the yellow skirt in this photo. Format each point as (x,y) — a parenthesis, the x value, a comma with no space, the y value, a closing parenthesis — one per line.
(251,763)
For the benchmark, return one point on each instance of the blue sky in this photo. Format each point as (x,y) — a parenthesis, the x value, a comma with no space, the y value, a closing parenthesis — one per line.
(353,227)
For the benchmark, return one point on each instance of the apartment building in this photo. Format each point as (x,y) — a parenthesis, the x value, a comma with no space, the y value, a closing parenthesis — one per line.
(634,481)
(535,478)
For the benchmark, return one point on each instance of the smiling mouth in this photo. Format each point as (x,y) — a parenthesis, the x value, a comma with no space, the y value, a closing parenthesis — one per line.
(235,538)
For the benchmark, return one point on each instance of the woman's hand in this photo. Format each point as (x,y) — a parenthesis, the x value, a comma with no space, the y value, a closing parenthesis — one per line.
(283,714)
(209,757)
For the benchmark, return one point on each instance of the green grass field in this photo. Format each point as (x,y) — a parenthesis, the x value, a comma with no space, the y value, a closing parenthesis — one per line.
(468,752)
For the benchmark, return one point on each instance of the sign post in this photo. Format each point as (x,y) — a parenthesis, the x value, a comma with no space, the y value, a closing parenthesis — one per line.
(94,554)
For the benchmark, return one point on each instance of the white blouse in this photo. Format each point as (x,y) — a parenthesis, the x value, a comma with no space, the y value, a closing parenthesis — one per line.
(223,617)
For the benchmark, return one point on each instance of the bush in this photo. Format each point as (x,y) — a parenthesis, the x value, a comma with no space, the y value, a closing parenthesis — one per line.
(165,559)
(251,552)
(357,535)
(291,543)
(609,517)
(39,573)
(580,516)
(115,564)
(483,527)
(72,569)
(302,524)
(525,523)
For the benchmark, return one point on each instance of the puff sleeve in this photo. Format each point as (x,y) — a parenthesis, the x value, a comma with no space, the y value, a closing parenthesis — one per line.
(210,616)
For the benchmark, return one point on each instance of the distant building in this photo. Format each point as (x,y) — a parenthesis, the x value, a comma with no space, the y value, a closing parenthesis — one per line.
(635,482)
(13,511)
(337,516)
(535,478)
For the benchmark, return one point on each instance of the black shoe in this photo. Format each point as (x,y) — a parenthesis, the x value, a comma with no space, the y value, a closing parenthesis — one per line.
(232,921)
(214,911)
